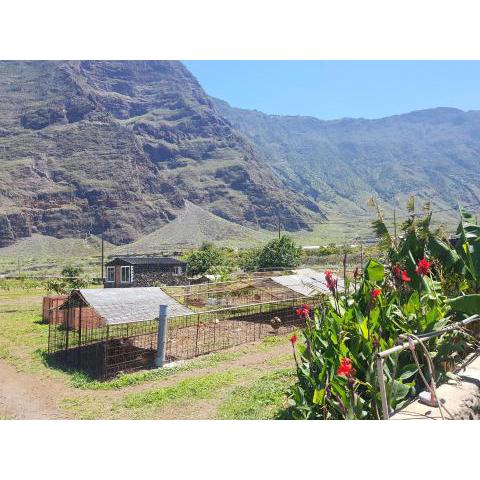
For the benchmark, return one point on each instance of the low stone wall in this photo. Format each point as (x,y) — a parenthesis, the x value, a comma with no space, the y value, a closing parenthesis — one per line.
(461,400)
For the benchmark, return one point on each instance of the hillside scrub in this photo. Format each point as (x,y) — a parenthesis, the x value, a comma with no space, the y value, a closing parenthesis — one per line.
(425,285)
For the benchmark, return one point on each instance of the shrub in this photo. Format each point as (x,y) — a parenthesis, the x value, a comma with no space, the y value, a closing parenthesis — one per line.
(279,253)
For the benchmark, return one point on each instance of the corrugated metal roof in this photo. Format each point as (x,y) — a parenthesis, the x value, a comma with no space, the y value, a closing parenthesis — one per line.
(127,305)
(306,282)
(147,261)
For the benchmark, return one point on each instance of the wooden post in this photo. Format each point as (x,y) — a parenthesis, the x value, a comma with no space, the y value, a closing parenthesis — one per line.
(361,256)
(196,337)
(79,358)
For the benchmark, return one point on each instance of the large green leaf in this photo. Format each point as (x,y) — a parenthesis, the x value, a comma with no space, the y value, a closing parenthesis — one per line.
(318,395)
(364,329)
(374,271)
(446,254)
(385,240)
(408,371)
(468,246)
(469,304)
(397,391)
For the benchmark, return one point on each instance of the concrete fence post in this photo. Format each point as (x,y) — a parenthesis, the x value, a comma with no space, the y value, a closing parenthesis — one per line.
(162,336)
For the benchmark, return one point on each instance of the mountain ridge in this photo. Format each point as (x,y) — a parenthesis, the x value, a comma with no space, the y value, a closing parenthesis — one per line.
(88,146)
(120,147)
(431,153)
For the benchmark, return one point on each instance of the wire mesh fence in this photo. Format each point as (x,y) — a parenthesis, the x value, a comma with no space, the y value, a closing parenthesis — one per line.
(229,294)
(79,339)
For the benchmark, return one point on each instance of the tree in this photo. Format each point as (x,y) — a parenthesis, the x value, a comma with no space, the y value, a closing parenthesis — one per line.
(72,278)
(248,259)
(279,253)
(202,261)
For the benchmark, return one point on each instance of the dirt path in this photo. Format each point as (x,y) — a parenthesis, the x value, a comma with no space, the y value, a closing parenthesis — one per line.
(25,397)
(30,397)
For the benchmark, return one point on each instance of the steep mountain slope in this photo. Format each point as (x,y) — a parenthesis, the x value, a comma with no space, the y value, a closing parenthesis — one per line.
(193,226)
(434,154)
(133,140)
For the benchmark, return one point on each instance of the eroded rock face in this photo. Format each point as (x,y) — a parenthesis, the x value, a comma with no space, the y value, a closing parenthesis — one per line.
(13,226)
(133,140)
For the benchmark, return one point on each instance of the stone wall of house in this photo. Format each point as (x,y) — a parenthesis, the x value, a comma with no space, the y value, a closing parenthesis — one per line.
(153,278)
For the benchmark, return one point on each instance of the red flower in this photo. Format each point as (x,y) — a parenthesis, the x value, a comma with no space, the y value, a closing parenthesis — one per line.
(397,271)
(400,274)
(423,267)
(293,339)
(375,293)
(331,282)
(303,311)
(345,367)
(405,277)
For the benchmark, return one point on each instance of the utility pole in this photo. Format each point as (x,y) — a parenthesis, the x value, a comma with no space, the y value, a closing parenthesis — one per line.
(395,227)
(103,246)
(278,224)
(103,261)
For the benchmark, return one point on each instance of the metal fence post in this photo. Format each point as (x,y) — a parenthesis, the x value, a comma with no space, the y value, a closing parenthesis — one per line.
(162,336)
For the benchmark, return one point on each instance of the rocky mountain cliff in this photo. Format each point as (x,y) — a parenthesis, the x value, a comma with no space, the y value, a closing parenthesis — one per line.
(88,146)
(434,154)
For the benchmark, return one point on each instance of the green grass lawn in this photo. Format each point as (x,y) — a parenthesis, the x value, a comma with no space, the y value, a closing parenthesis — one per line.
(23,335)
(262,400)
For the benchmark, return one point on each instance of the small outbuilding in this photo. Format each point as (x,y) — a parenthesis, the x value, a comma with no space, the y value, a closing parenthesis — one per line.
(105,331)
(144,271)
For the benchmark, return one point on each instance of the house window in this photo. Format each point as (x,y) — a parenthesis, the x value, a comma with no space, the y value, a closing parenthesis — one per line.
(177,270)
(126,274)
(110,274)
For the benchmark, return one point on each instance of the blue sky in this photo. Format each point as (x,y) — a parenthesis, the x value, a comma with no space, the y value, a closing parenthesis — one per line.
(337,89)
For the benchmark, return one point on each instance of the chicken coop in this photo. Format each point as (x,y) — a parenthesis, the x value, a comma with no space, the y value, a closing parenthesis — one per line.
(107,331)
(305,283)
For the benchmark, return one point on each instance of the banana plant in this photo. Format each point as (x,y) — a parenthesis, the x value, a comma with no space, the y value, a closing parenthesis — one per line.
(468,248)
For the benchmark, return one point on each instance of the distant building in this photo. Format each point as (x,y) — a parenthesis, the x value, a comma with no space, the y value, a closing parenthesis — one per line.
(144,272)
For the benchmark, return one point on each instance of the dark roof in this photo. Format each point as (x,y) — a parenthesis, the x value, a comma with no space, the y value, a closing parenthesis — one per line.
(146,261)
